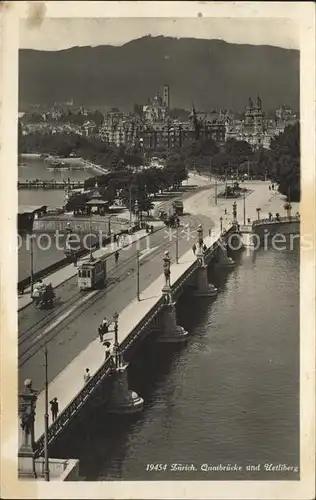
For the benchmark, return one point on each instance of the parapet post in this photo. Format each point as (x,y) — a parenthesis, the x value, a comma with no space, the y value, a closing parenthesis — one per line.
(171,331)
(167,273)
(123,400)
(200,251)
(27,406)
(204,289)
(235,222)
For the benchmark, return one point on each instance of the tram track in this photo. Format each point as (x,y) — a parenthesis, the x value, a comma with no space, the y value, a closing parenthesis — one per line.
(24,356)
(42,322)
(36,332)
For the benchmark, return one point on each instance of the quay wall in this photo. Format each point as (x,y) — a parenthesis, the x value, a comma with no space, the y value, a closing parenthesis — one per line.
(79,226)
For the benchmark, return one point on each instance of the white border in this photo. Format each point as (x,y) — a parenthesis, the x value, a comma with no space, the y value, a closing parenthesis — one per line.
(304,15)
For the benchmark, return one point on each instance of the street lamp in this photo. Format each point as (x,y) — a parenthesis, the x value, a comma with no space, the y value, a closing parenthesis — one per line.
(136,209)
(258,212)
(116,343)
(109,225)
(32,266)
(137,275)
(46,467)
(90,228)
(244,207)
(177,244)
(221,221)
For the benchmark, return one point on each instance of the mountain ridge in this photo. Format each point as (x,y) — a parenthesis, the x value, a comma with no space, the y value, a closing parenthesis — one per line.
(212,73)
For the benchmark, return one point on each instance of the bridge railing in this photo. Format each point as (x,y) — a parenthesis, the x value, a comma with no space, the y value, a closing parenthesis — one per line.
(106,368)
(273,220)
(71,409)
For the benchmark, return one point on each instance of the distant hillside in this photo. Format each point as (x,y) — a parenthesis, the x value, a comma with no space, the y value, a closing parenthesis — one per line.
(212,73)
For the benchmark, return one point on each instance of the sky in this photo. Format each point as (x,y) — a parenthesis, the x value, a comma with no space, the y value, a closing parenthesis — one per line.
(58,34)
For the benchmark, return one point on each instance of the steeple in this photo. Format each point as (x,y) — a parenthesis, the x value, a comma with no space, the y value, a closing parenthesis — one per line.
(259,103)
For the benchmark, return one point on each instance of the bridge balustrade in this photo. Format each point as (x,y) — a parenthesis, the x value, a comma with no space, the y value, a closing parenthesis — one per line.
(106,368)
(261,222)
(78,401)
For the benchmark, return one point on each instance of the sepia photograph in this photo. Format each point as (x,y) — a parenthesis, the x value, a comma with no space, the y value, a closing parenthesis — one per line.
(160,206)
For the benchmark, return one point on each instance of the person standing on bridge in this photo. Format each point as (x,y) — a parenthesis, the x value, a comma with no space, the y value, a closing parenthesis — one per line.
(194,248)
(54,408)
(87,376)
(116,256)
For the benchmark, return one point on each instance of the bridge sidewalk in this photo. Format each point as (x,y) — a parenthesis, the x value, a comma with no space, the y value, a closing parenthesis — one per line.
(70,381)
(69,271)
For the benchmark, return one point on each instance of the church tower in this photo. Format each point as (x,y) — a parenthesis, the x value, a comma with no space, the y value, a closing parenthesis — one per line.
(166,96)
(249,112)
(258,115)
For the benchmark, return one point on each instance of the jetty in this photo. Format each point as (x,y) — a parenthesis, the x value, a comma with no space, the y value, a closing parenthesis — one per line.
(52,184)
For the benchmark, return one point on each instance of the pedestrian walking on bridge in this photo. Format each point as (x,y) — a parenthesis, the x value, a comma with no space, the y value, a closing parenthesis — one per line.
(54,408)
(87,376)
(116,256)
(194,248)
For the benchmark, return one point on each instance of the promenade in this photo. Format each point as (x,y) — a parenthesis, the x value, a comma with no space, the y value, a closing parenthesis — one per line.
(70,381)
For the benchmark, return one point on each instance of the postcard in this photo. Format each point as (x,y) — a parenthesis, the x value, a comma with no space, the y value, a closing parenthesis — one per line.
(158,250)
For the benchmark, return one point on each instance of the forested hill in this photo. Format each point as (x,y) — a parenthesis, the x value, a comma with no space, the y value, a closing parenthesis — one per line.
(210,73)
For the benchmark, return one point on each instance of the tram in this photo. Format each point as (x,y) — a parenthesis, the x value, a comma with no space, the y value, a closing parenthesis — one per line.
(91,274)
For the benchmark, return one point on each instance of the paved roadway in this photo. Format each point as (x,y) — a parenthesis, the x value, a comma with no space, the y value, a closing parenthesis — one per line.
(68,329)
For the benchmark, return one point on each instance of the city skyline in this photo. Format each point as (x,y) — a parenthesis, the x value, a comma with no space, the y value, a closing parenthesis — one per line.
(119,31)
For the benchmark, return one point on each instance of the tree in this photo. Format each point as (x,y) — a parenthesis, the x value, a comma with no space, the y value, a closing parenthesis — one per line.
(240,150)
(285,162)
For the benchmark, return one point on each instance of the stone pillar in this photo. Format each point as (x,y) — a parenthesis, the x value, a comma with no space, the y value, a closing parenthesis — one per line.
(27,406)
(171,331)
(124,401)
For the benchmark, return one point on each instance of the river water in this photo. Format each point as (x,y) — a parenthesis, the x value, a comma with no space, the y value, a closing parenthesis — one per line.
(229,396)
(37,168)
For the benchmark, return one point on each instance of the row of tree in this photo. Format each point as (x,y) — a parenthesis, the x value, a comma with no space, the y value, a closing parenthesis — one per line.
(281,163)
(140,186)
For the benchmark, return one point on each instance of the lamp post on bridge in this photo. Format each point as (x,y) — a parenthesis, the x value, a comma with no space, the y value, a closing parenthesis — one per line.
(235,222)
(46,467)
(244,207)
(32,266)
(136,209)
(177,244)
(116,343)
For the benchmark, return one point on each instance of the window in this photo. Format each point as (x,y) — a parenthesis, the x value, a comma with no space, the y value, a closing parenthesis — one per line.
(84,273)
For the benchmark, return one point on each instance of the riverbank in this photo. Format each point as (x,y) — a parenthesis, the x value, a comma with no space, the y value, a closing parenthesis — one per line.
(71,162)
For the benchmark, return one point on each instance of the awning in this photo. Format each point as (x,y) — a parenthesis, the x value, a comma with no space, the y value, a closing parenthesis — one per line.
(31,209)
(94,202)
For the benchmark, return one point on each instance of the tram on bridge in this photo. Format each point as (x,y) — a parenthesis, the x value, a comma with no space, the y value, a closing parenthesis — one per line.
(91,274)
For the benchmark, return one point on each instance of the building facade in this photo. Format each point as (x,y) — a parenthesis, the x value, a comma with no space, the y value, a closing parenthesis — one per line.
(254,128)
